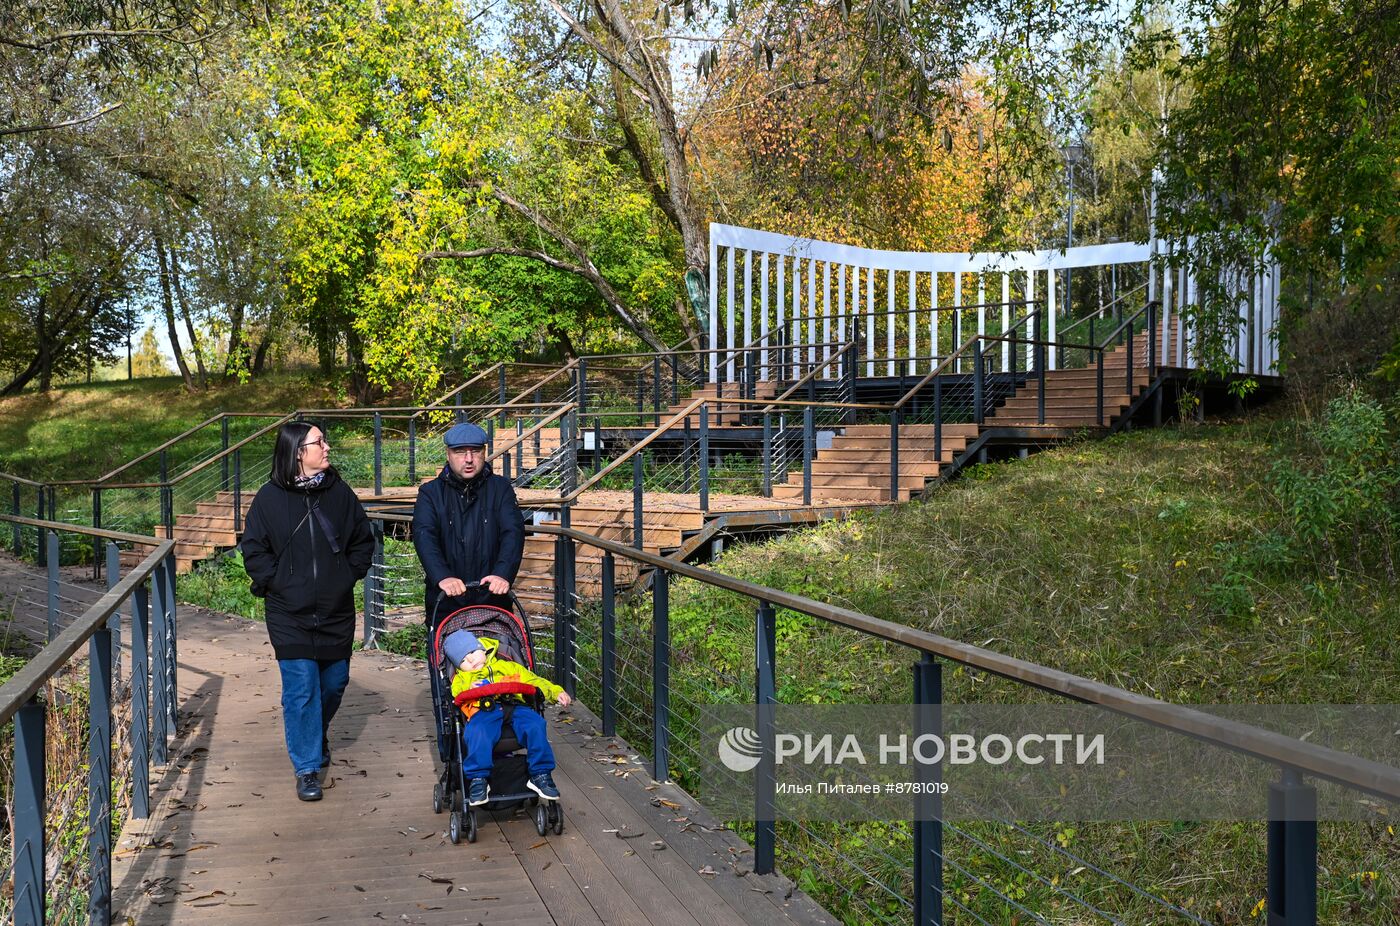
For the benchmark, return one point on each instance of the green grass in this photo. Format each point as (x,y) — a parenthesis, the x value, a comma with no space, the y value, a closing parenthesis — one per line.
(82,431)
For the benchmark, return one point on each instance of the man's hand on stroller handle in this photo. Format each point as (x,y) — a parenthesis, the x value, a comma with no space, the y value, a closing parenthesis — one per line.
(453,586)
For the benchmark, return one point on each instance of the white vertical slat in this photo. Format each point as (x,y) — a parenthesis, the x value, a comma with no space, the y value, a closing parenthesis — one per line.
(780,322)
(933,314)
(714,310)
(1050,359)
(1182,300)
(913,320)
(870,323)
(729,292)
(1164,352)
(841,317)
(889,322)
(981,305)
(1033,327)
(812,312)
(826,316)
(797,316)
(748,306)
(957,321)
(1006,321)
(763,329)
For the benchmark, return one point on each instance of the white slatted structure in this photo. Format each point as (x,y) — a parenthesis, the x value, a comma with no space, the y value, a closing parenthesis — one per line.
(819,295)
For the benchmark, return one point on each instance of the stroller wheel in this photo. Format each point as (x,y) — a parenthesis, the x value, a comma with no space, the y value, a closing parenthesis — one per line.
(454,827)
(556,818)
(437,798)
(471,826)
(541,819)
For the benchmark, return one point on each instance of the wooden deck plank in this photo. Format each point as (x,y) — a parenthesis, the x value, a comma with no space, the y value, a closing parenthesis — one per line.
(229,842)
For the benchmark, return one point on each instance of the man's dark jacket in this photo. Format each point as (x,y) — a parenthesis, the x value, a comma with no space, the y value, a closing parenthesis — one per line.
(466,530)
(289,549)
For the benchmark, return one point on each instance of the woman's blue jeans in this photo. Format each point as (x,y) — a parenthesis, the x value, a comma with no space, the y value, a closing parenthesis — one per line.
(311,693)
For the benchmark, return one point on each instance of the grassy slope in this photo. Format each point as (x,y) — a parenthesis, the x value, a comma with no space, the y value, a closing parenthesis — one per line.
(1106,559)
(82,431)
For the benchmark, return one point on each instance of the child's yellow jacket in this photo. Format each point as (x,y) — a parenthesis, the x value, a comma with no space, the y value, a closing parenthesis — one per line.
(501,670)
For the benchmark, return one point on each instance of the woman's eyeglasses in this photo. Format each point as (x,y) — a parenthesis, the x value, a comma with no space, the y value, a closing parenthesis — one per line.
(312,443)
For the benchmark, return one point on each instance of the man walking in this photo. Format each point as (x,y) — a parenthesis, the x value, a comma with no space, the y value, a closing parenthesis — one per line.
(467,528)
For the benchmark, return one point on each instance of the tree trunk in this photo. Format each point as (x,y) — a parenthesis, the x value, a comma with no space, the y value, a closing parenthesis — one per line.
(45,357)
(260,355)
(361,388)
(169,305)
(189,323)
(232,361)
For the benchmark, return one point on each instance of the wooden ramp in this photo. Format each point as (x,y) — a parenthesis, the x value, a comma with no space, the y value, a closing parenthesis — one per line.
(228,842)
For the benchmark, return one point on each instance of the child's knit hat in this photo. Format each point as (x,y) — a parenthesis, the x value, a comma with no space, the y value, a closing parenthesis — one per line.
(458,644)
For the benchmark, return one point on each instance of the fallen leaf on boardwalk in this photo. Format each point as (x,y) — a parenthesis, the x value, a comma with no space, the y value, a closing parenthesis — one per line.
(358,888)
(662,802)
(658,844)
(620,835)
(422,906)
(708,871)
(629,852)
(217,896)
(542,842)
(434,878)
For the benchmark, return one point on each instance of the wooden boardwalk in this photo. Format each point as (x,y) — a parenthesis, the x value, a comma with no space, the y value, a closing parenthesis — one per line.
(228,842)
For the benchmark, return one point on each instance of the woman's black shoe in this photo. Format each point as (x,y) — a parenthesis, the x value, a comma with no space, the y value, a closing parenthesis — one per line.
(309,787)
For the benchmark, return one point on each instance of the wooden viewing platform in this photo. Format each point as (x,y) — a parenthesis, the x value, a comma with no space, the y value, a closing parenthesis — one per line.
(228,841)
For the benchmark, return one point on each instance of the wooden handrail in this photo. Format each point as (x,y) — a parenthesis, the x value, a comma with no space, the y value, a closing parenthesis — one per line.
(21,480)
(119,536)
(209,462)
(518,439)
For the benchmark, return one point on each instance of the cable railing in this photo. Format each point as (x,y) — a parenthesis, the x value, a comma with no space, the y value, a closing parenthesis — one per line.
(102,766)
(628,666)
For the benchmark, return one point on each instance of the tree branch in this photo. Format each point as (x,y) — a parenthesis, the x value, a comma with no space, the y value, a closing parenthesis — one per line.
(39,44)
(592,42)
(23,129)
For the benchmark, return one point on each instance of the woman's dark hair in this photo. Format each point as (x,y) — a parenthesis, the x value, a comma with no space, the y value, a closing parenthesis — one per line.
(290,437)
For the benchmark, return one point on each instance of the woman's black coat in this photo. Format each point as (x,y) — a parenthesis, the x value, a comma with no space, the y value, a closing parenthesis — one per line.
(304,549)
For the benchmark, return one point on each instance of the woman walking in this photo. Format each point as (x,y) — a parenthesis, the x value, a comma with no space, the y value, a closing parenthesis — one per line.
(305,544)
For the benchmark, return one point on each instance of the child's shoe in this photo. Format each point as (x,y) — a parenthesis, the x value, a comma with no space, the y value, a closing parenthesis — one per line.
(477,792)
(543,785)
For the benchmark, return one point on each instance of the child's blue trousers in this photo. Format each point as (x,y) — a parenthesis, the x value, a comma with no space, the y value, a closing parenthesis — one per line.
(483,729)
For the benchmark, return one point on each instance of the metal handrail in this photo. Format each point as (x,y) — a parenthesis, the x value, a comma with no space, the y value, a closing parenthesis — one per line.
(835,357)
(1360,774)
(27,682)
(23,481)
(220,456)
(636,448)
(942,367)
(1097,313)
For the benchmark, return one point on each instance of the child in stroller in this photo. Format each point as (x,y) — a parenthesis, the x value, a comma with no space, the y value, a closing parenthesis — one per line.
(496,703)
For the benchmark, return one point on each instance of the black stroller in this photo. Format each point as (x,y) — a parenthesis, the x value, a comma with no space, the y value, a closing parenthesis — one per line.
(509,769)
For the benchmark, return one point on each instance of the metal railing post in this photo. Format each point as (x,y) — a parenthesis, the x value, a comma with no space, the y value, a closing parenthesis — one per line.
(705,457)
(412,449)
(1292,852)
(41,550)
(372,582)
(501,386)
(53,559)
(238,491)
(637,525)
(609,644)
(849,369)
(978,383)
(809,441)
(167,510)
(172,643)
(1040,381)
(1129,335)
(223,454)
(582,379)
(660,672)
(928,806)
(100,777)
(159,731)
(765,697)
(656,390)
(114,623)
(559,578)
(894,455)
(640,405)
(14,510)
(1098,363)
(767,455)
(96,541)
(140,704)
(938,419)
(30,797)
(597,444)
(378,454)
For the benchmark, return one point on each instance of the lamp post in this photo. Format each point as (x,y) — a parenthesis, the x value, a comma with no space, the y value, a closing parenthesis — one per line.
(1073,153)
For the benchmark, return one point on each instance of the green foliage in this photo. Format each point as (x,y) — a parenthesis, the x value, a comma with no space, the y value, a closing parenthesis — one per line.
(408,640)
(1341,500)
(222,584)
